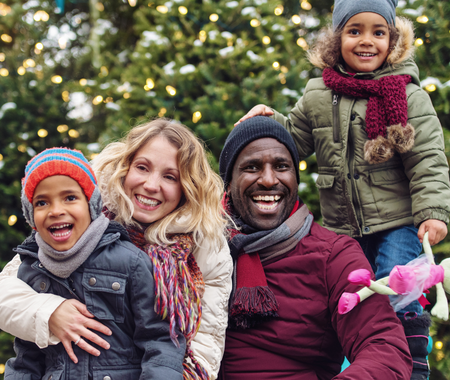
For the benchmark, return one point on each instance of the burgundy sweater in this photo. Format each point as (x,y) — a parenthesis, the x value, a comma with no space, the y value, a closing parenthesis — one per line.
(309,339)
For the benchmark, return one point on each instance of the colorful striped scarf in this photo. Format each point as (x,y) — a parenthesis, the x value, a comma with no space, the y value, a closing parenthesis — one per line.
(179,286)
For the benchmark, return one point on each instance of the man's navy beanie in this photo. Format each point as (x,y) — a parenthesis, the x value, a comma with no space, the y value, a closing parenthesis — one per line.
(252,129)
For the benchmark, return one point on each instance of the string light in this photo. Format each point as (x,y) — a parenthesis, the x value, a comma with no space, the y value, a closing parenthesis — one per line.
(4,10)
(73,133)
(6,38)
(83,81)
(21,70)
(126,95)
(418,42)
(41,16)
(97,100)
(278,10)
(11,221)
(39,46)
(65,96)
(202,35)
(302,43)
(29,63)
(4,72)
(42,133)
(296,19)
(62,128)
(183,10)
(276,65)
(171,90)
(305,5)
(2,57)
(430,87)
(149,83)
(1,157)
(302,165)
(282,78)
(266,40)
(162,112)
(162,9)
(109,99)
(100,7)
(255,22)
(56,79)
(132,3)
(439,345)
(196,116)
(422,19)
(214,17)
(22,148)
(2,369)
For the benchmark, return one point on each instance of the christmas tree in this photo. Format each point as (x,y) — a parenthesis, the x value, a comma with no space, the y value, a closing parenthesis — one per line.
(81,74)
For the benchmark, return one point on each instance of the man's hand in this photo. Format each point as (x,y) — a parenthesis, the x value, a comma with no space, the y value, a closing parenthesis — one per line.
(259,110)
(437,230)
(71,321)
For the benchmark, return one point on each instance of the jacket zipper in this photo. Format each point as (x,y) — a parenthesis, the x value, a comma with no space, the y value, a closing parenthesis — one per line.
(336,120)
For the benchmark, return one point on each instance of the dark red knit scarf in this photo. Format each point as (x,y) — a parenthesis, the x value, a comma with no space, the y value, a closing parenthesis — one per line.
(387,110)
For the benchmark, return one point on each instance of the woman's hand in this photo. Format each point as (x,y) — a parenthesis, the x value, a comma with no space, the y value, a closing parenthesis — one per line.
(437,230)
(259,110)
(71,322)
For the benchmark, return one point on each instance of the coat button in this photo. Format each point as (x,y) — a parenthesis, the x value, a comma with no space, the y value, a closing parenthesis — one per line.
(366,229)
(356,176)
(353,116)
(92,281)
(40,265)
(349,176)
(115,286)
(107,378)
(42,285)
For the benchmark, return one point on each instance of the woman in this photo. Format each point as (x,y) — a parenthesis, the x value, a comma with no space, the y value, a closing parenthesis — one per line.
(157,182)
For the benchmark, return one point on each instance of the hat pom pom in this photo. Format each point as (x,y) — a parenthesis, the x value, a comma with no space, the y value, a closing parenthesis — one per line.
(378,150)
(402,138)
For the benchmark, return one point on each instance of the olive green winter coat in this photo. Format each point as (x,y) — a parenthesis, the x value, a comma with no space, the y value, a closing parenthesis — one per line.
(358,198)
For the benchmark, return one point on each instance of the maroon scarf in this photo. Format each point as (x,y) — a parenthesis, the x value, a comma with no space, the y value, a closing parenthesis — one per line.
(387,110)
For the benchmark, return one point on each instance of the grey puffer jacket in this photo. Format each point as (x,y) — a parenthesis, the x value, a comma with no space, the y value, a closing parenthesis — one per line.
(116,284)
(358,198)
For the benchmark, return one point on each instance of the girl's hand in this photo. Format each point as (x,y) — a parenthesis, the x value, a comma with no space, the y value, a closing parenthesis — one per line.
(259,110)
(437,230)
(71,321)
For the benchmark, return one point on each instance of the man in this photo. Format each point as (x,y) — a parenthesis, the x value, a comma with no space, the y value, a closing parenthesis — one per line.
(290,273)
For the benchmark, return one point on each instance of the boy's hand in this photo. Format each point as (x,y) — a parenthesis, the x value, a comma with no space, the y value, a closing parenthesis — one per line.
(259,110)
(437,230)
(71,322)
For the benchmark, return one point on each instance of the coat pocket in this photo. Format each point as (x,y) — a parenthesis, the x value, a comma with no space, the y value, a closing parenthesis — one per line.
(104,293)
(114,373)
(330,207)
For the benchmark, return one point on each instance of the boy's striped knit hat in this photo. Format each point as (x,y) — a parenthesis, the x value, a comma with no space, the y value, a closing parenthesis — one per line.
(59,161)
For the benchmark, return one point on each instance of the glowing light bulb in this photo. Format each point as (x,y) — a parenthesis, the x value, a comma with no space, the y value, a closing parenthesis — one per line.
(296,19)
(278,10)
(196,116)
(4,72)
(21,70)
(12,220)
(302,43)
(74,133)
(183,10)
(255,22)
(303,165)
(162,9)
(6,38)
(430,87)
(214,17)
(97,100)
(171,90)
(149,83)
(305,5)
(62,128)
(56,79)
(42,133)
(418,42)
(65,96)
(83,82)
(422,19)
(276,65)
(266,40)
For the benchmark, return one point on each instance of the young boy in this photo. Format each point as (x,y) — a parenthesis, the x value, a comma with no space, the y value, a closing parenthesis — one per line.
(76,252)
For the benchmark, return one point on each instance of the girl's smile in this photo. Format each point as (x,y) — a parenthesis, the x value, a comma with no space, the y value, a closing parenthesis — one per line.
(365,42)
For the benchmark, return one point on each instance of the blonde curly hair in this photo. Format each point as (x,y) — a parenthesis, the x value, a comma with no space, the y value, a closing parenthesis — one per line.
(202,188)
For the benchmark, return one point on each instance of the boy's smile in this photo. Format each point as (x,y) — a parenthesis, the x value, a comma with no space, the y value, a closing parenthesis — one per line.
(365,42)
(61,211)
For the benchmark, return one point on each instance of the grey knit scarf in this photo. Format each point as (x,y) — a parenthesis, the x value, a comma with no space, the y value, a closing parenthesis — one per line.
(63,263)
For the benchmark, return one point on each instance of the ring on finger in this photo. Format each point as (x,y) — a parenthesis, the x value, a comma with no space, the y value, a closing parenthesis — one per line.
(78,341)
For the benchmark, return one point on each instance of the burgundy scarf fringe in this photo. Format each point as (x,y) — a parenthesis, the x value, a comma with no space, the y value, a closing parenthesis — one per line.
(250,306)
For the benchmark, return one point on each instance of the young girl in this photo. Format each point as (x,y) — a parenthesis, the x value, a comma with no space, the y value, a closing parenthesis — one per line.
(77,253)
(158,184)
(383,175)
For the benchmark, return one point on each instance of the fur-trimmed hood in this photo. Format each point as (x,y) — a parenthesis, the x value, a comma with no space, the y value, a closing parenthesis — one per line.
(403,49)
